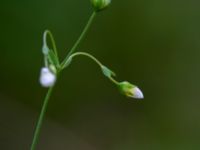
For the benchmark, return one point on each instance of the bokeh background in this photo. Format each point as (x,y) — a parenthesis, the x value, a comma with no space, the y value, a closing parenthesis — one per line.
(154,44)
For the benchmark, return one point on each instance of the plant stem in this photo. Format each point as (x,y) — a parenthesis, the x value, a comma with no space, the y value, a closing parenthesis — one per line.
(80,37)
(91,57)
(47,32)
(84,54)
(114,81)
(41,118)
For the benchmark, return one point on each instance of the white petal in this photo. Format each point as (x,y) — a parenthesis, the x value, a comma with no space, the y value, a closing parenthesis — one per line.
(137,93)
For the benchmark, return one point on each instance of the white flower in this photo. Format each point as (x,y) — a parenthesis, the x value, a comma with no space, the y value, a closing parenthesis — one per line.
(130,90)
(47,78)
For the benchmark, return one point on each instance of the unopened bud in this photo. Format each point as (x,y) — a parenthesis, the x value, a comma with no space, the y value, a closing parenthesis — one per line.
(100,4)
(130,90)
(47,78)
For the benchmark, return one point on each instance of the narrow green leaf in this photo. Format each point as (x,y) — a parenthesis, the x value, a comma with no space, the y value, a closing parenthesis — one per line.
(53,58)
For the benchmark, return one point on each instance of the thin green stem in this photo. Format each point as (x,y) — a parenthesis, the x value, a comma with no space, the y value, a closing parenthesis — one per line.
(47,32)
(86,54)
(114,81)
(80,37)
(45,61)
(40,120)
(91,57)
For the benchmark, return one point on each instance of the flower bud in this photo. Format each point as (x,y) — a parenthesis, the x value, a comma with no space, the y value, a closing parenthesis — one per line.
(130,90)
(47,78)
(100,4)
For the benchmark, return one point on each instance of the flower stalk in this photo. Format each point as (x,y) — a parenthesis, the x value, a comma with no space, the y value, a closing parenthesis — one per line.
(80,37)
(40,119)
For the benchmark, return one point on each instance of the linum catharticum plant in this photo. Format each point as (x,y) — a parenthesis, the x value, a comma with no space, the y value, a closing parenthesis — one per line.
(53,67)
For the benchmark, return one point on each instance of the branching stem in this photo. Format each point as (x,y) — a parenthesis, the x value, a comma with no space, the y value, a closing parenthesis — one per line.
(46,100)
(74,47)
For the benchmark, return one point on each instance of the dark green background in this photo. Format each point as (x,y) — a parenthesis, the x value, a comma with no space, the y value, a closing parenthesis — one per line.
(154,44)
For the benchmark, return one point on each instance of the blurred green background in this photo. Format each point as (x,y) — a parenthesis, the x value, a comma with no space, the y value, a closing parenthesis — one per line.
(154,44)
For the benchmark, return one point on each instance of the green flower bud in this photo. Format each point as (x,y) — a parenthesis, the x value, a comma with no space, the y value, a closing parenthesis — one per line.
(100,4)
(130,90)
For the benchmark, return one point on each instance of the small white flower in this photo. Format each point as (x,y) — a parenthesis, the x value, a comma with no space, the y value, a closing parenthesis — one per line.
(47,78)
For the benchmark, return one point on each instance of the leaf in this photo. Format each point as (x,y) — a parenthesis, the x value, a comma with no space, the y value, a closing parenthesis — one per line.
(53,58)
(107,72)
